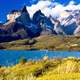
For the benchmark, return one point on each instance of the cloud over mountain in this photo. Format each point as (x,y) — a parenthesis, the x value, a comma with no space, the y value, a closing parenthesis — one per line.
(50,7)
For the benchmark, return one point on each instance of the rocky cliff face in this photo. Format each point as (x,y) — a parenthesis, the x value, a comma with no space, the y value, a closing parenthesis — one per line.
(24,27)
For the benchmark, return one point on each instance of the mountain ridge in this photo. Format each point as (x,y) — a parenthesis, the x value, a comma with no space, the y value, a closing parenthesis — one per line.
(19,25)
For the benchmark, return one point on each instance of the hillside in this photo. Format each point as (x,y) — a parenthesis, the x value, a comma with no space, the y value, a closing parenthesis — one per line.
(46,69)
(48,42)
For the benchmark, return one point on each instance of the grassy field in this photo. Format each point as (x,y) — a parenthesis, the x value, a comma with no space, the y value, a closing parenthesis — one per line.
(48,42)
(45,69)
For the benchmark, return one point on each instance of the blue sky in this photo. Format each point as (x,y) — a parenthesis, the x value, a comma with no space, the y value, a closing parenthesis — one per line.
(7,5)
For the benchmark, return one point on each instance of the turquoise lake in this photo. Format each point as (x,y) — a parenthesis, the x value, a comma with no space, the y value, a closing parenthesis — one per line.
(11,57)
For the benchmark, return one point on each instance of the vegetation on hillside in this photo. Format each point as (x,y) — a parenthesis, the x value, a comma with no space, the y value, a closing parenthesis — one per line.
(48,42)
(45,69)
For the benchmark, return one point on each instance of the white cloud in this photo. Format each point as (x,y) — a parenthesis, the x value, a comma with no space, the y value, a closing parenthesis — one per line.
(52,8)
(40,5)
(72,6)
(71,2)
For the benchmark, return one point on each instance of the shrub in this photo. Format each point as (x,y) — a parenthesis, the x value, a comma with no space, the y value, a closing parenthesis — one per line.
(31,42)
(22,60)
(38,72)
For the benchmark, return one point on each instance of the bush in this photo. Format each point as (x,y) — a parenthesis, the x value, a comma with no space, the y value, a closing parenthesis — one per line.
(31,42)
(22,60)
(38,72)
(2,47)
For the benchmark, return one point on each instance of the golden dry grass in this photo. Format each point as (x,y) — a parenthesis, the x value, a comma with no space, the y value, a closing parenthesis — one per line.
(53,69)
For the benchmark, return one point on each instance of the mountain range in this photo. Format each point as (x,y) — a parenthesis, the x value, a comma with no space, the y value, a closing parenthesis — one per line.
(20,25)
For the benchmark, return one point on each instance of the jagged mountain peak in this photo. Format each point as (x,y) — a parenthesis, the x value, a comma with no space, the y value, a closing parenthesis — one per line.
(24,9)
(39,24)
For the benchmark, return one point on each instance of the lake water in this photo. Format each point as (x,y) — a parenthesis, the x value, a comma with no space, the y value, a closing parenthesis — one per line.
(10,57)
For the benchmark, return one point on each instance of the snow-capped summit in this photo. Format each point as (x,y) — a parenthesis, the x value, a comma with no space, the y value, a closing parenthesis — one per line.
(42,19)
